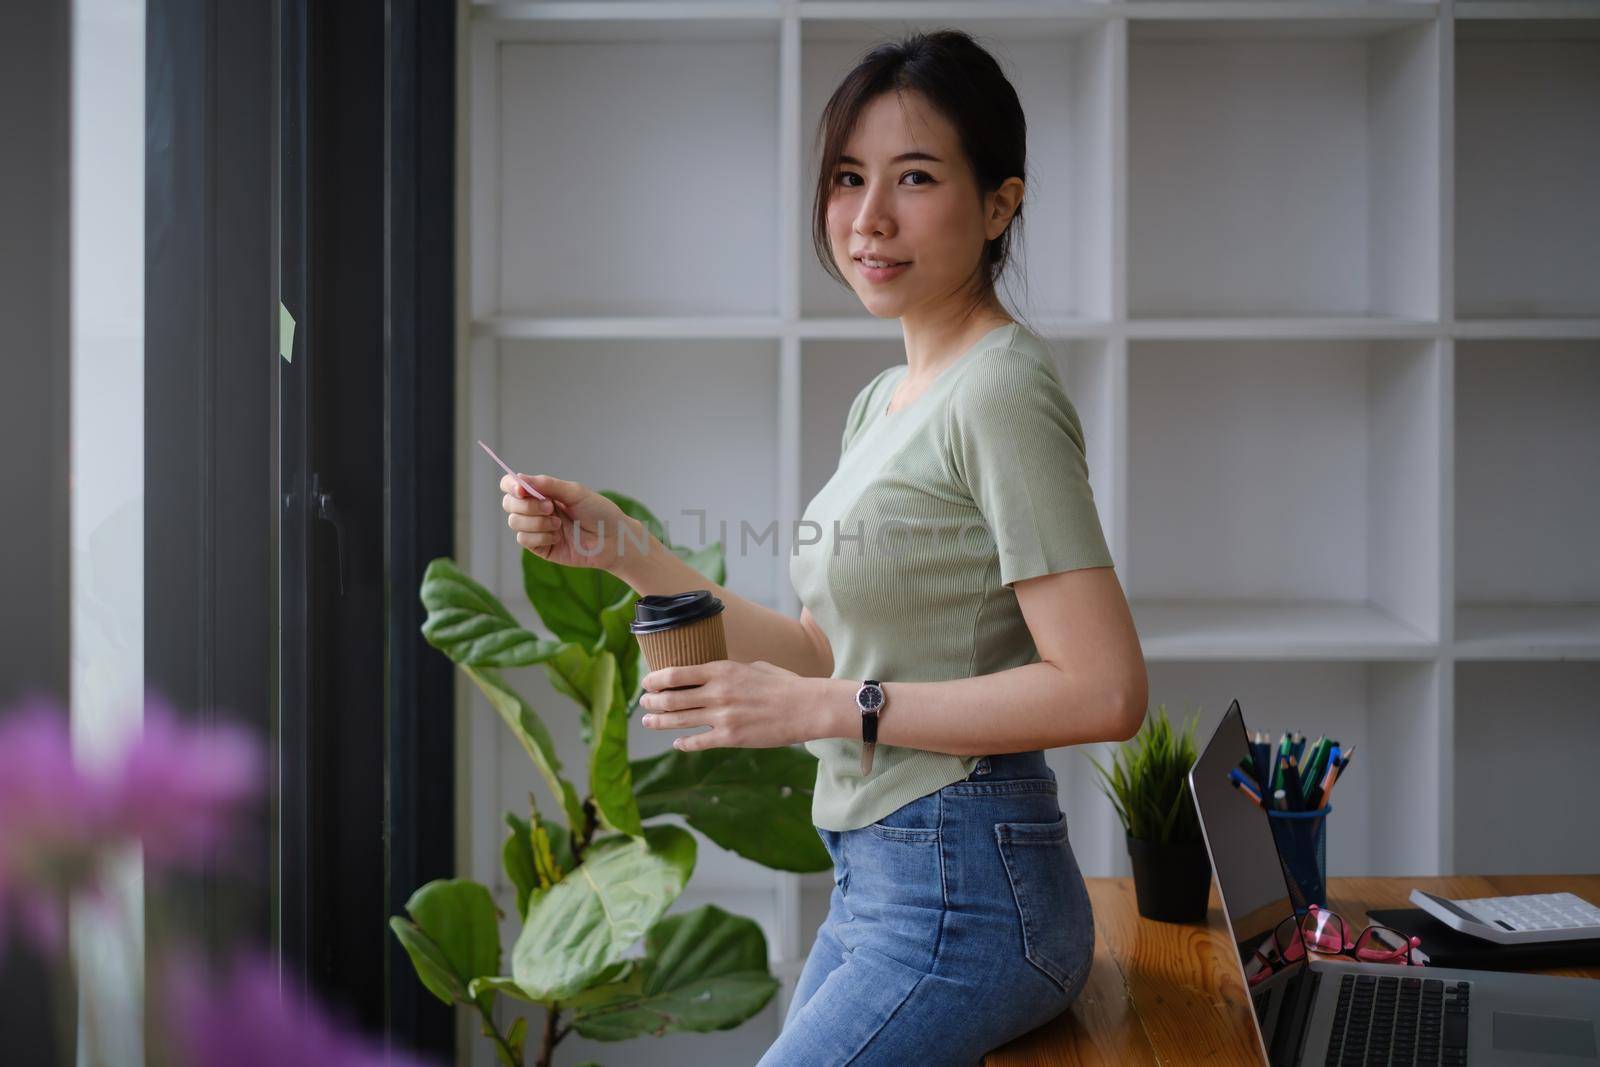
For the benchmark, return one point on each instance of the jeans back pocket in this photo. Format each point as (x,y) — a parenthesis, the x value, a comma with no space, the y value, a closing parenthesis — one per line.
(1052,902)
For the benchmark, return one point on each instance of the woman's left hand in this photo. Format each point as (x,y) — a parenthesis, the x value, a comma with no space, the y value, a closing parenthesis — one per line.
(747,705)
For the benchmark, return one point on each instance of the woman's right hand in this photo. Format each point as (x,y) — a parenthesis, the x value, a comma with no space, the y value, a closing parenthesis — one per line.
(548,528)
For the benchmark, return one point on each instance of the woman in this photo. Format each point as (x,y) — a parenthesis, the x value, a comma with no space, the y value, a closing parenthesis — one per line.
(966,572)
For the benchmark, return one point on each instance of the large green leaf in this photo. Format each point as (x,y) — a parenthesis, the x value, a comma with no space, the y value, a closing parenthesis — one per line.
(753,801)
(621,691)
(453,936)
(615,622)
(517,857)
(469,624)
(501,984)
(602,990)
(703,970)
(491,984)
(535,737)
(432,966)
(569,668)
(590,918)
(610,778)
(569,599)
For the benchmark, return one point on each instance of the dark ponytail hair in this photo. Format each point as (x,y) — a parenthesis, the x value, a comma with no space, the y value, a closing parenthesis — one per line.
(967,86)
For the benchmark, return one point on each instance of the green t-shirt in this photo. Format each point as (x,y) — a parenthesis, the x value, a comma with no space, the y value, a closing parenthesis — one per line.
(934,511)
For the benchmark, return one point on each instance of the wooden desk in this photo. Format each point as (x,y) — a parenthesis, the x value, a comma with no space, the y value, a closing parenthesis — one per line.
(1163,993)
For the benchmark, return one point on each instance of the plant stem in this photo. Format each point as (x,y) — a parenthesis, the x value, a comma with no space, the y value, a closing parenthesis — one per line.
(494,1031)
(552,1036)
(589,823)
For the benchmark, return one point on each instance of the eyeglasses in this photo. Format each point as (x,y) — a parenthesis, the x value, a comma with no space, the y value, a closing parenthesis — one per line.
(1326,933)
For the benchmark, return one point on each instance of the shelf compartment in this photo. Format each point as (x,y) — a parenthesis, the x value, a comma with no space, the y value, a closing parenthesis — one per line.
(670,423)
(865,328)
(1284,168)
(1282,328)
(1527,218)
(1528,329)
(1575,18)
(1527,631)
(532,328)
(625,20)
(1065,71)
(1525,739)
(1527,518)
(1284,497)
(690,121)
(1390,713)
(1319,16)
(1217,629)
(1526,524)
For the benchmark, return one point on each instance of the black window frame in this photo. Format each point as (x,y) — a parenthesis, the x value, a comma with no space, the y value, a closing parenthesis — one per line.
(247,561)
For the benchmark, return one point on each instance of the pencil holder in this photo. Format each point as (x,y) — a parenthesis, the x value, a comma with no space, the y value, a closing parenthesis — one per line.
(1302,838)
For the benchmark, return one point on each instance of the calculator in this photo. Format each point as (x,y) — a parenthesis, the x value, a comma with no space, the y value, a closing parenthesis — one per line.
(1527,918)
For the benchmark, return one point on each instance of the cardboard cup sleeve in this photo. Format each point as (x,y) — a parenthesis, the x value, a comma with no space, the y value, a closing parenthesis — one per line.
(700,641)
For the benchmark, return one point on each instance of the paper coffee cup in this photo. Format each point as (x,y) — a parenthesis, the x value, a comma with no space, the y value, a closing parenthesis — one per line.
(679,629)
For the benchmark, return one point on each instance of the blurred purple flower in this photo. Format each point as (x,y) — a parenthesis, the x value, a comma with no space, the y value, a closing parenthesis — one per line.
(244,1019)
(49,816)
(178,787)
(173,789)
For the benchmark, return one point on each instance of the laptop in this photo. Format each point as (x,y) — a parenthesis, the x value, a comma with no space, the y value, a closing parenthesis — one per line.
(1335,1010)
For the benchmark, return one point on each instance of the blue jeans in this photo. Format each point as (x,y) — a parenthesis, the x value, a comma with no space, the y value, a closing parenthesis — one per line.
(956,923)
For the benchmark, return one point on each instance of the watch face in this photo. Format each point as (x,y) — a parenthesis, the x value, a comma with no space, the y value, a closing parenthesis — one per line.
(870,698)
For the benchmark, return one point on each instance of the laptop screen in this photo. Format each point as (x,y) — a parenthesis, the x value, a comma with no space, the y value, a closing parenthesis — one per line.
(1250,878)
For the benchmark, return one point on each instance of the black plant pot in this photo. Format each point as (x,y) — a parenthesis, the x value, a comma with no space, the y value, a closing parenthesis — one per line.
(1172,882)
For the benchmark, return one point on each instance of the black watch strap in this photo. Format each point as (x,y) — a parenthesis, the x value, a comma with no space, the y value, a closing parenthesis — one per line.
(869,728)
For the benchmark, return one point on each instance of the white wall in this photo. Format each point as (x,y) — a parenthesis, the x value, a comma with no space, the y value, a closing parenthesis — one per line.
(107,480)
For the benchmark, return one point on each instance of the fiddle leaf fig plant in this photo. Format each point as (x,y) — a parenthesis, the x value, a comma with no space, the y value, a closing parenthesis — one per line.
(591,877)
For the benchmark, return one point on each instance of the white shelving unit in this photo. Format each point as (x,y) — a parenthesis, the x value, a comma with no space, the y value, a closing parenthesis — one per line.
(1321,277)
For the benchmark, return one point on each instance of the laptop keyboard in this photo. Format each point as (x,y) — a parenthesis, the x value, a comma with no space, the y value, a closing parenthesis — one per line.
(1390,1020)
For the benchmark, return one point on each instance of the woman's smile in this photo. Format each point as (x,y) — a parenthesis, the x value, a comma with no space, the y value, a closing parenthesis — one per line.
(878,275)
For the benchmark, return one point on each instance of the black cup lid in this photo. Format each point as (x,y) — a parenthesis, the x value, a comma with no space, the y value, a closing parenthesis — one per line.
(657,612)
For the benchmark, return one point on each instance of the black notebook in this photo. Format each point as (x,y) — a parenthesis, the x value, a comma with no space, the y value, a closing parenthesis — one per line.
(1452,948)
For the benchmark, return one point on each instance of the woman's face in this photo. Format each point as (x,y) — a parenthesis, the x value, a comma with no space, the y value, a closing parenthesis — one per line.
(904,192)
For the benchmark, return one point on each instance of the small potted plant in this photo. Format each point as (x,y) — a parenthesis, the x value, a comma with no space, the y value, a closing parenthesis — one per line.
(1148,785)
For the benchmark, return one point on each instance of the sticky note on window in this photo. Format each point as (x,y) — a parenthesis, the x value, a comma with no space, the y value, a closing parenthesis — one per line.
(285,333)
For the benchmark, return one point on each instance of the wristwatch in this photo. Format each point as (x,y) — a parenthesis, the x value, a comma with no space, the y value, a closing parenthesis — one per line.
(870,699)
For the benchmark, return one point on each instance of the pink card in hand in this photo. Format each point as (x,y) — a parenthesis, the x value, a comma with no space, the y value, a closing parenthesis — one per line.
(526,485)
